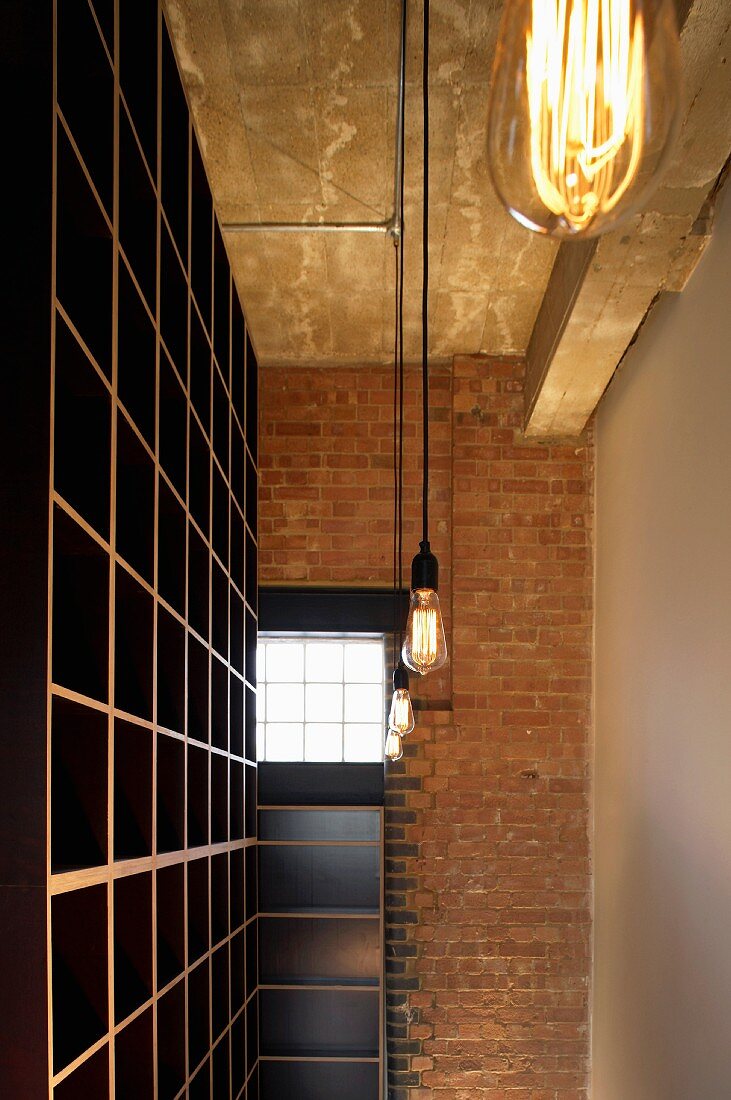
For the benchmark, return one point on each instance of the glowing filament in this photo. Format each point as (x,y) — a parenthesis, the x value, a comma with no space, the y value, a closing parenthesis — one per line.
(585,72)
(424,636)
(401,718)
(394,748)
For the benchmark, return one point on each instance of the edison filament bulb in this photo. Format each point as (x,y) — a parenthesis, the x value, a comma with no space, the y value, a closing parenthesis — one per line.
(583,110)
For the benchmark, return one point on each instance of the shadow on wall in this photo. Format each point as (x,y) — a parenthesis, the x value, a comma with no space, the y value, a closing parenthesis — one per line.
(681,987)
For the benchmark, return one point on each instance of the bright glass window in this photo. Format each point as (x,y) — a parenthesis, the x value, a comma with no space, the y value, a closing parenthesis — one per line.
(320,699)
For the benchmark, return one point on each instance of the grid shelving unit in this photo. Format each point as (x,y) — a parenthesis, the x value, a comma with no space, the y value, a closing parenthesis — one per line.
(320,951)
(151,861)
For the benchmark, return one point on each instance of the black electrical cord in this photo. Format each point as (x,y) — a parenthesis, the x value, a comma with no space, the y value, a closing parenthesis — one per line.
(398,411)
(425,284)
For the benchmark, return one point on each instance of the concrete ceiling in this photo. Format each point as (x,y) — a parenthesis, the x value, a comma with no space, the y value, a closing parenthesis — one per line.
(295,106)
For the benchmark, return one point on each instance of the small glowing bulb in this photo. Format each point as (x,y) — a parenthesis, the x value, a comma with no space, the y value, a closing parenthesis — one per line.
(394,746)
(425,646)
(401,718)
(583,110)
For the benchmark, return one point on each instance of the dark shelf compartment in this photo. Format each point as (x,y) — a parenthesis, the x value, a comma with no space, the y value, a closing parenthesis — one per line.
(135,537)
(78,786)
(132,646)
(238,359)
(236,889)
(199,563)
(173,426)
(198,660)
(173,304)
(250,781)
(219,798)
(219,517)
(85,92)
(170,793)
(200,371)
(238,467)
(90,1079)
(221,433)
(171,1042)
(251,943)
(134,1060)
(136,357)
(238,550)
(80,609)
(252,399)
(175,146)
(137,207)
(318,1080)
(319,1023)
(79,931)
(220,989)
(250,724)
(82,426)
(221,302)
(83,257)
(201,234)
(170,672)
(200,1085)
(199,1033)
(221,1069)
(219,610)
(238,971)
(197,796)
(132,790)
(329,952)
(238,1056)
(236,630)
(236,800)
(324,879)
(138,72)
(251,635)
(199,478)
(219,897)
(171,549)
(236,715)
(199,939)
(251,572)
(170,913)
(219,704)
(252,1040)
(252,883)
(132,943)
(323,825)
(252,496)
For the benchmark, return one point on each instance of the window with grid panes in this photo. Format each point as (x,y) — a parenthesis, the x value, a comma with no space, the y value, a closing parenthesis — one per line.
(320,699)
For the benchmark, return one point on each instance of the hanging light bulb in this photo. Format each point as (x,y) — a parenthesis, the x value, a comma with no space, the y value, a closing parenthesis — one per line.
(394,746)
(425,645)
(583,110)
(401,718)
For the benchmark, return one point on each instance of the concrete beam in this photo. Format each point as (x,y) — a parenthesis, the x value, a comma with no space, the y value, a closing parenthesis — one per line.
(600,291)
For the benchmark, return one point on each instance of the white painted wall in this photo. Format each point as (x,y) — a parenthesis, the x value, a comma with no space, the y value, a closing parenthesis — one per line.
(662,971)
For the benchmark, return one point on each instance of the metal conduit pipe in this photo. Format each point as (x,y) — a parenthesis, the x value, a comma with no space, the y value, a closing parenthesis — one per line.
(391,227)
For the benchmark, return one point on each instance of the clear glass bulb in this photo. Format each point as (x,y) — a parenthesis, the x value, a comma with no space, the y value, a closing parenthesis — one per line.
(425,646)
(401,718)
(394,746)
(583,110)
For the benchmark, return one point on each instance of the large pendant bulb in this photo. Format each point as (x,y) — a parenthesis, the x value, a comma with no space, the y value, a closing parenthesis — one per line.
(583,110)
(425,644)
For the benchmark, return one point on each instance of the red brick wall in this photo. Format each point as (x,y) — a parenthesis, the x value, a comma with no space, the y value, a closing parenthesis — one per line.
(488,859)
